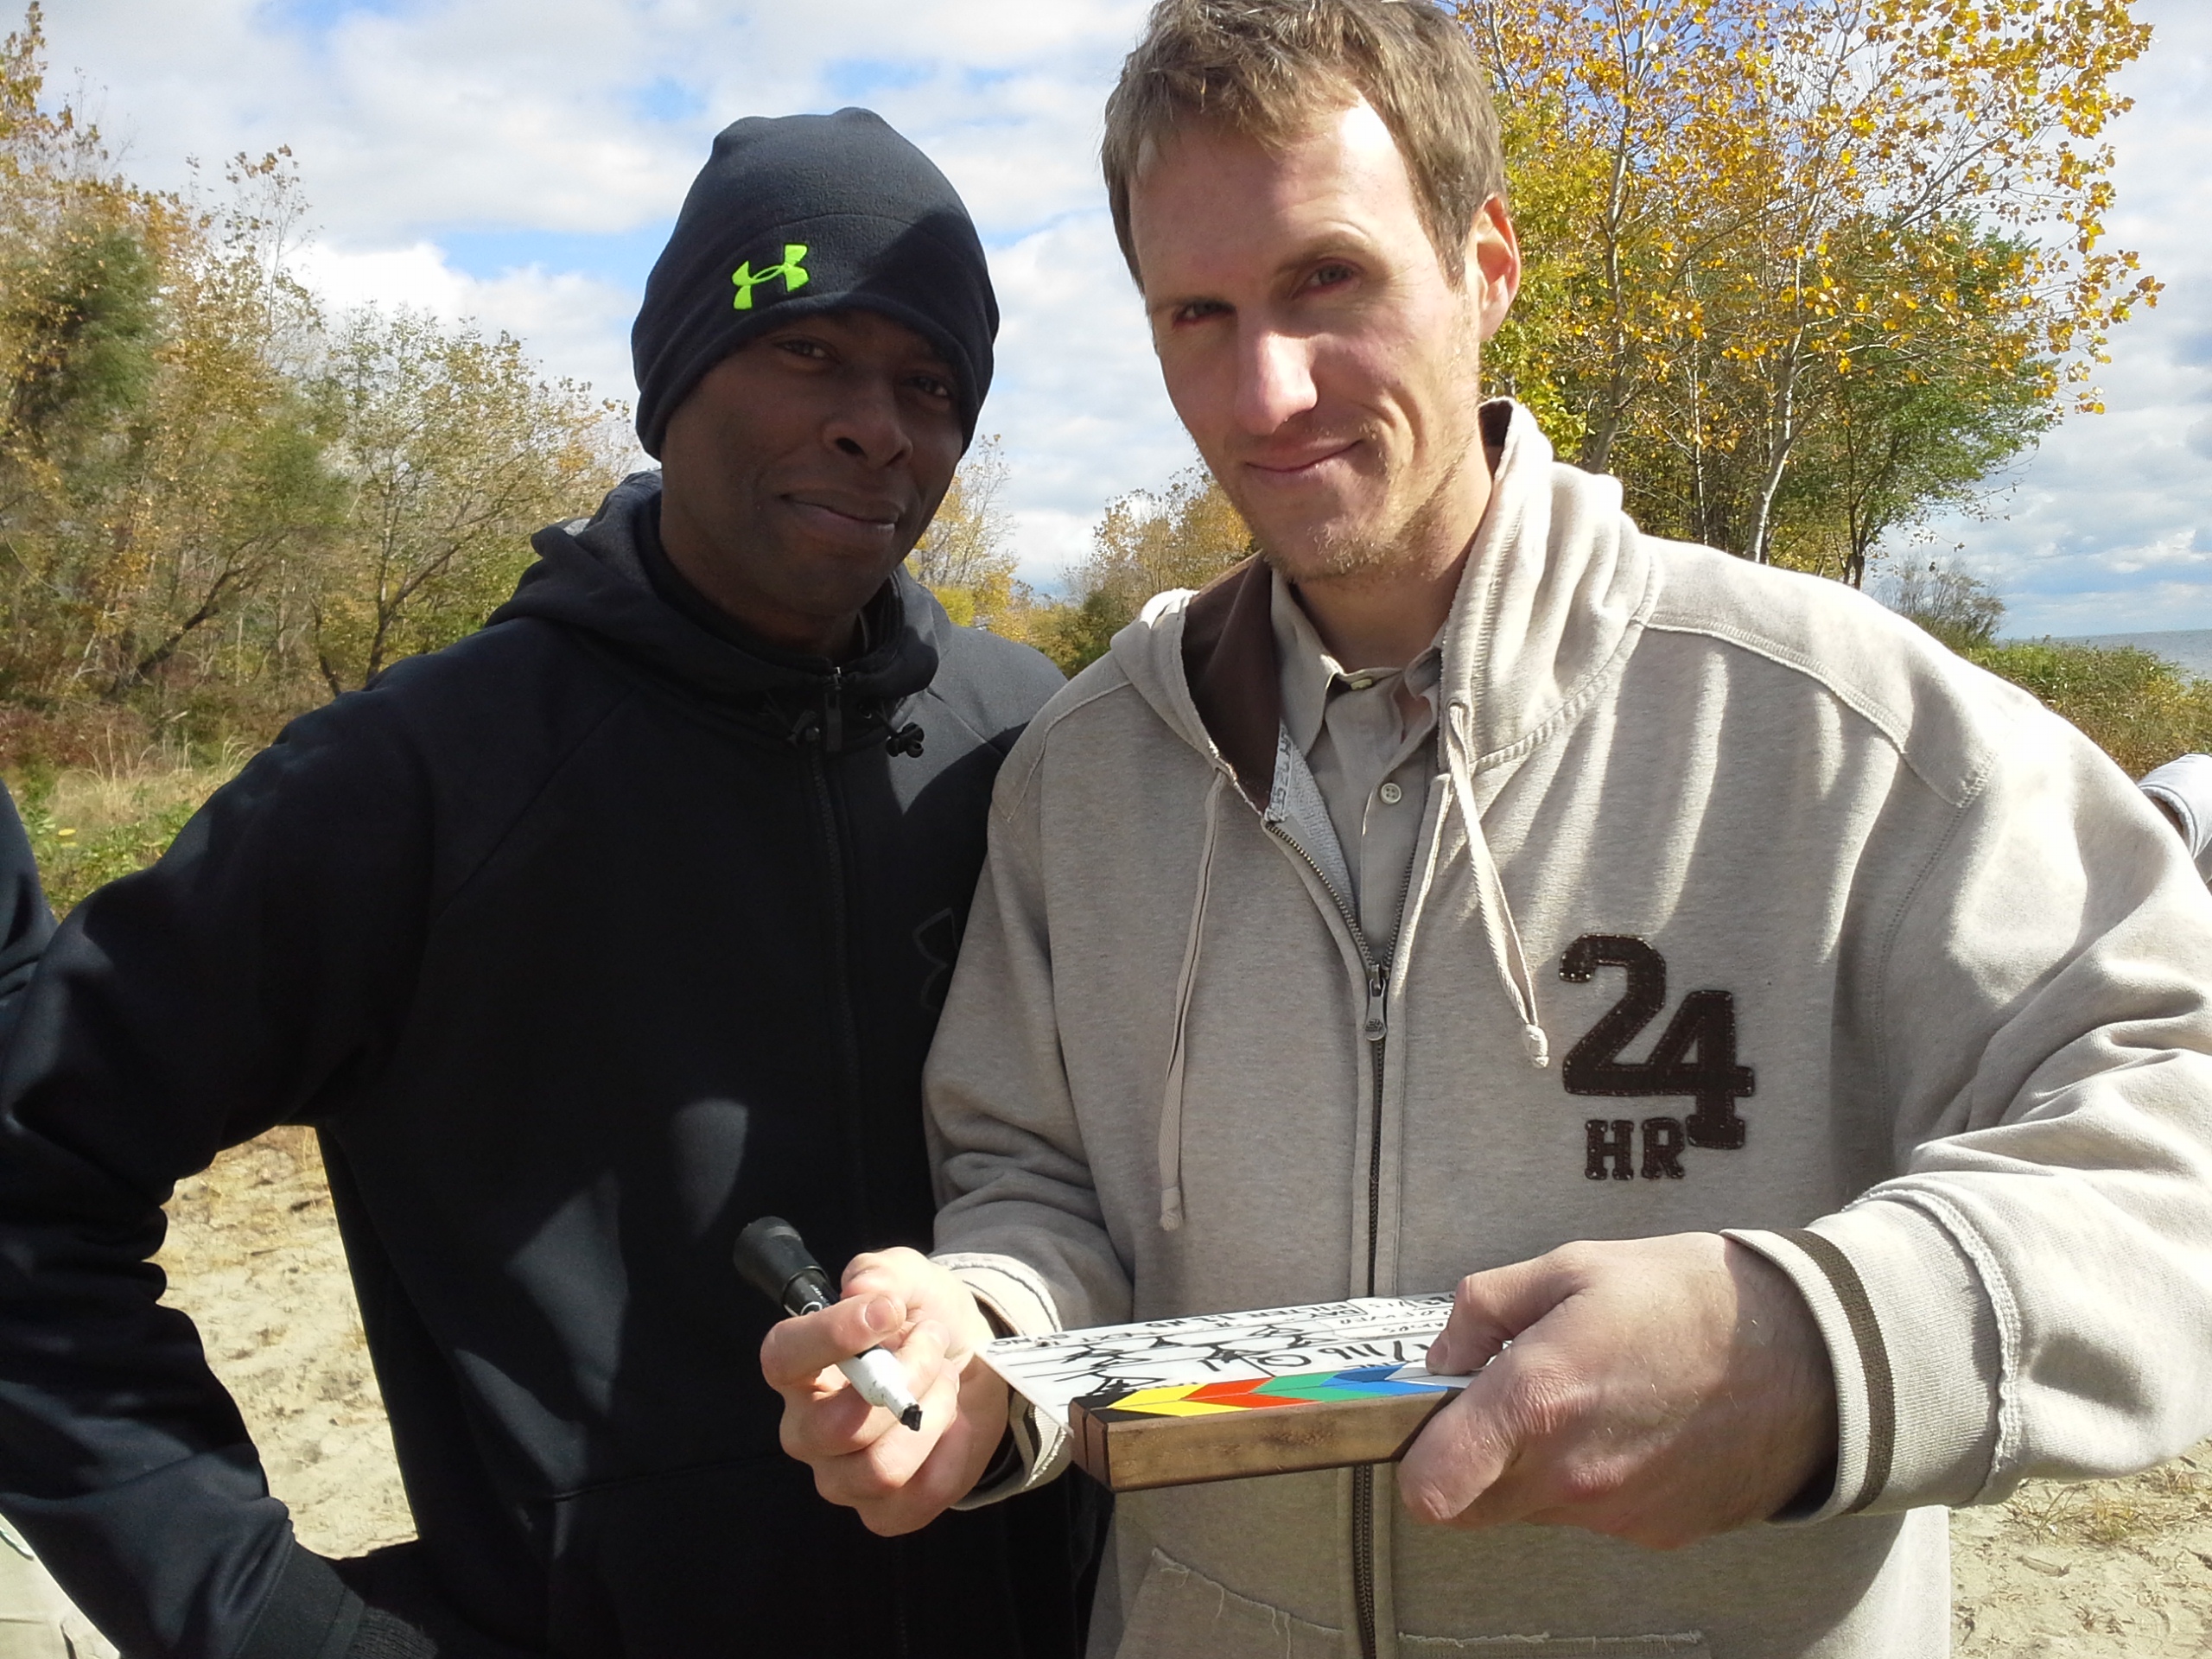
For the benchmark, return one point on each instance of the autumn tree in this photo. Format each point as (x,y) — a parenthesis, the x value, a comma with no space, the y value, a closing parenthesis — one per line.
(1732,207)
(452,452)
(1945,599)
(1615,154)
(1913,420)
(1148,543)
(966,556)
(86,332)
(211,499)
(163,459)
(227,481)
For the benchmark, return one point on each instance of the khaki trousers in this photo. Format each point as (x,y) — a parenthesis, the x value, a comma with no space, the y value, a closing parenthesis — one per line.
(37,1621)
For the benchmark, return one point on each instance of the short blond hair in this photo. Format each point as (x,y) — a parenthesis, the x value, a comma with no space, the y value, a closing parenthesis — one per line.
(1271,69)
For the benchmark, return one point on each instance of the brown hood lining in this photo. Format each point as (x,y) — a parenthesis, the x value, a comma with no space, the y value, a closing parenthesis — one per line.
(1228,662)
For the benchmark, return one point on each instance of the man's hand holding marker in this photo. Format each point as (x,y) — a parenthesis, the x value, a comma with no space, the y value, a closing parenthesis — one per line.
(904,1304)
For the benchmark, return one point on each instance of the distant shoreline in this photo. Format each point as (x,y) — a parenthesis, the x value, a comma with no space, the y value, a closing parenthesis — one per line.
(2188,649)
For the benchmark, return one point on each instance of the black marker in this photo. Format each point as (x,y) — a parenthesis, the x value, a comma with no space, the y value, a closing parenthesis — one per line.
(774,1258)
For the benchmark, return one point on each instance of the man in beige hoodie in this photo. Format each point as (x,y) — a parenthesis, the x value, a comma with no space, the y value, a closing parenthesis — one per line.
(1795,1043)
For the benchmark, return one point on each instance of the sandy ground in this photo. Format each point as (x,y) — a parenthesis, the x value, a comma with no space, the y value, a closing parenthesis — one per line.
(253,1257)
(2112,1568)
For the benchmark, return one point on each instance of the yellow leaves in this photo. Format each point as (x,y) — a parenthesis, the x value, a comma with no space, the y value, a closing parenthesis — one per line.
(967,549)
(1729,207)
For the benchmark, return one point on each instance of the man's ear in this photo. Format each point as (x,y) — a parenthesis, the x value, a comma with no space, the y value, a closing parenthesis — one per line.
(1493,265)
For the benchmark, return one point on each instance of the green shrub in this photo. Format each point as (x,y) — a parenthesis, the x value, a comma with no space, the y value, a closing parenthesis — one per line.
(2140,709)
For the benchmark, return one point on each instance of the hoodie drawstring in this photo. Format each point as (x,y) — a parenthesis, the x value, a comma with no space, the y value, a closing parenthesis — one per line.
(1171,1105)
(1507,955)
(1511,960)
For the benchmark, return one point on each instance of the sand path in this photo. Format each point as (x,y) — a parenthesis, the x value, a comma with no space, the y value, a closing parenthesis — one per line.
(253,1255)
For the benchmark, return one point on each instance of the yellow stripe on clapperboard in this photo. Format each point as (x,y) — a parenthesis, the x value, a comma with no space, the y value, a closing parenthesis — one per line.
(1171,1402)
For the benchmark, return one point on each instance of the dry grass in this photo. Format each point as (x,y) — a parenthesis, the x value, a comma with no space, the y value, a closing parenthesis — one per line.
(91,824)
(2107,1513)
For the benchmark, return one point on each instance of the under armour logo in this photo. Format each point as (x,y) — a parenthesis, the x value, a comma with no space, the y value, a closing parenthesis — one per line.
(792,271)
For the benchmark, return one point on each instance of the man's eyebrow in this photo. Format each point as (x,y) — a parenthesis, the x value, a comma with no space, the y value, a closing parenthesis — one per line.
(1337,242)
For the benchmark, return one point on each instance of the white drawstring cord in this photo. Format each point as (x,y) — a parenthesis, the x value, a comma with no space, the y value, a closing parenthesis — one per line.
(1171,1105)
(1506,952)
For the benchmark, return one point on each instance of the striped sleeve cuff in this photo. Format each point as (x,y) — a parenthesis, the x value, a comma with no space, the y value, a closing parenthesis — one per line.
(1019,1302)
(1912,1339)
(1012,1291)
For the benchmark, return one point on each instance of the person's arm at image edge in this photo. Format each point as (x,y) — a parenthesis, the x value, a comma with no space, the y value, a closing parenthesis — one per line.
(178,1012)
(26,923)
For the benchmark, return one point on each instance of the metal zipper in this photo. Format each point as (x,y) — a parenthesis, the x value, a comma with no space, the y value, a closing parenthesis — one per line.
(823,739)
(1377,1030)
(817,770)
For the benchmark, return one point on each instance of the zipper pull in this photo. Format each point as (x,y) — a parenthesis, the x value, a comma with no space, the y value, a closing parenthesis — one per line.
(1378,982)
(834,711)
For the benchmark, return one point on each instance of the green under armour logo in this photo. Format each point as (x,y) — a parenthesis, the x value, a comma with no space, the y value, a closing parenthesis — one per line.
(792,271)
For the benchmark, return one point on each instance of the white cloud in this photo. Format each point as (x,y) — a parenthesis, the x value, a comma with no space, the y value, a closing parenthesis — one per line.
(420,127)
(1078,397)
(1051,543)
(2110,527)
(539,113)
(429,130)
(574,326)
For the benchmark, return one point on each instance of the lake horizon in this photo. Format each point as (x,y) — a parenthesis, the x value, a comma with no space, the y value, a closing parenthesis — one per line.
(2188,649)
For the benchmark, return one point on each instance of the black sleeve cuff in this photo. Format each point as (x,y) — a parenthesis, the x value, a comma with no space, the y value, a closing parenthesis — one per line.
(312,1615)
(382,1637)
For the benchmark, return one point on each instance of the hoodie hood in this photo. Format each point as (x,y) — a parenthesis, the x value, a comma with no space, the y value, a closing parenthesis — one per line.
(1554,591)
(591,575)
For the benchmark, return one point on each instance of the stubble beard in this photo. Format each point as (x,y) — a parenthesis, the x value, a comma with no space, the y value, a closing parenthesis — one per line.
(1352,552)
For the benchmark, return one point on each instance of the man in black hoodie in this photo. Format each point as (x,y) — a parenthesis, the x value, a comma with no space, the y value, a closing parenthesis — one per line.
(583,942)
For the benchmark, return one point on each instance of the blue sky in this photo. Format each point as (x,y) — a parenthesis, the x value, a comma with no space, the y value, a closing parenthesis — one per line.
(519,161)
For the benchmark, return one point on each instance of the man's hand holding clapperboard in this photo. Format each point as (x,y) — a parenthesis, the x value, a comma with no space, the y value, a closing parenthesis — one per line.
(1171,1402)
(1160,1403)
(1577,1366)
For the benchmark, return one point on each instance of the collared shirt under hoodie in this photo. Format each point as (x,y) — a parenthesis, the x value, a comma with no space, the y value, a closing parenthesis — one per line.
(1371,755)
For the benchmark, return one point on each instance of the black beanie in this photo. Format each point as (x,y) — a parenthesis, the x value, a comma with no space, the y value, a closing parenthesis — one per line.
(804,214)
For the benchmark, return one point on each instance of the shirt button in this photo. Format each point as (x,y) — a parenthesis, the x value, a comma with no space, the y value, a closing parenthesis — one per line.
(1392,794)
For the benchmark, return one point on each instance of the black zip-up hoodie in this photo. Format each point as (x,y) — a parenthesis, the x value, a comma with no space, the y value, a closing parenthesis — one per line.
(582,941)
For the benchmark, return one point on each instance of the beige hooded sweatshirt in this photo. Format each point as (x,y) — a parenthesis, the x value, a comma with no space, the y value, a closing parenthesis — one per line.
(1739,905)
